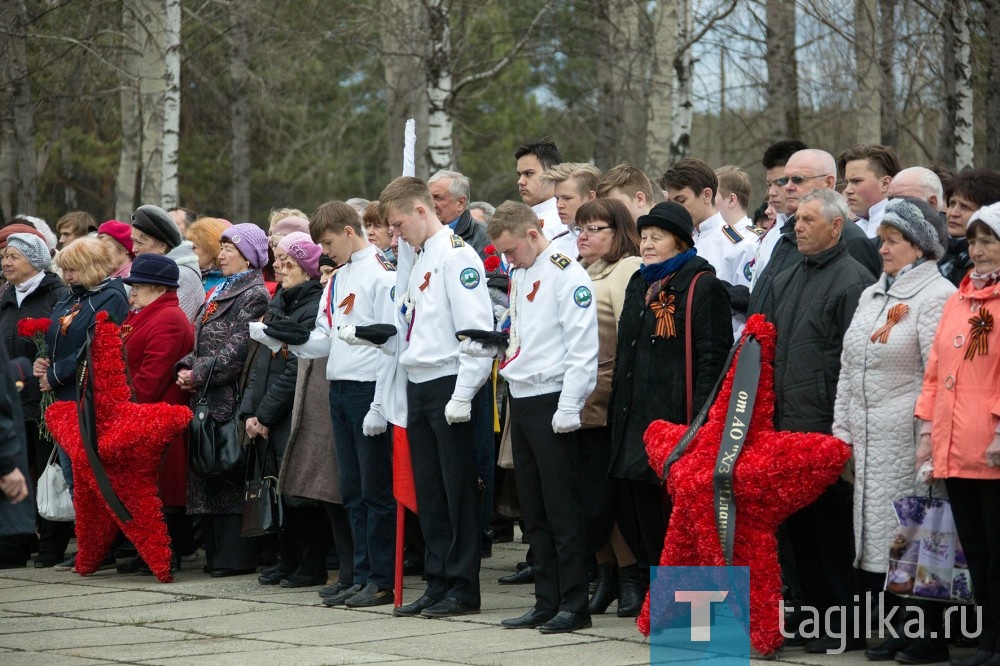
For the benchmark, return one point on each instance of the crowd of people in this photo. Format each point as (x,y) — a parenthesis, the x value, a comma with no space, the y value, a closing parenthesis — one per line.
(545,335)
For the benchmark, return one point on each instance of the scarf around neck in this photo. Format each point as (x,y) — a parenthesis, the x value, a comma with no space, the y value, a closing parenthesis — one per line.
(658,271)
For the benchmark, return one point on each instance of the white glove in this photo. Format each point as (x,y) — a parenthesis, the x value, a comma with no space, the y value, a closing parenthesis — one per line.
(499,312)
(346,333)
(565,421)
(458,410)
(479,349)
(258,334)
(374,423)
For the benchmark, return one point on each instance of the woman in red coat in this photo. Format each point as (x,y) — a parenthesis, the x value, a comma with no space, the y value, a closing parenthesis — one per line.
(157,334)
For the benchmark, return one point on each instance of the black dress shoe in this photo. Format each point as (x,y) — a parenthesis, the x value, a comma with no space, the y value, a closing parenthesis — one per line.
(525,576)
(414,609)
(979,658)
(130,566)
(530,620)
(46,563)
(370,595)
(449,607)
(341,597)
(830,645)
(566,621)
(298,580)
(333,590)
(887,649)
(924,651)
(226,573)
(272,576)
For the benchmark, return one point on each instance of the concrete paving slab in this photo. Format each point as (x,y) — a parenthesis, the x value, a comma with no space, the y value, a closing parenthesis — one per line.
(7,583)
(606,653)
(260,622)
(89,600)
(188,649)
(105,635)
(387,631)
(33,623)
(47,659)
(32,592)
(295,656)
(177,610)
(475,644)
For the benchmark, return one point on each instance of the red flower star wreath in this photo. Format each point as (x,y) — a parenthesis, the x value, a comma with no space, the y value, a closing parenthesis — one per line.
(777,474)
(131,440)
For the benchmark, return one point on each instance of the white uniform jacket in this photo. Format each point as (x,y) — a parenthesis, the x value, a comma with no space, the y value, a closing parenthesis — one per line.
(360,294)
(554,322)
(446,292)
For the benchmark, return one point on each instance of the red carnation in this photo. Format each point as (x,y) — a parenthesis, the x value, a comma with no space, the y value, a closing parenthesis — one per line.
(490,249)
(492,264)
(30,328)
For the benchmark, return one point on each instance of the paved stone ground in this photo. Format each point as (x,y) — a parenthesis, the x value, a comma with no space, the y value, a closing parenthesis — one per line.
(51,618)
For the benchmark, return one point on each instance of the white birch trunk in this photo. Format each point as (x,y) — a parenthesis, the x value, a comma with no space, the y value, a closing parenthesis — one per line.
(171,102)
(964,142)
(239,115)
(683,107)
(152,90)
(440,149)
(131,115)
(661,97)
(868,77)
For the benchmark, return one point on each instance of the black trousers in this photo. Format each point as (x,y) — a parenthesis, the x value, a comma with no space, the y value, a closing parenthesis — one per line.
(598,501)
(340,528)
(445,476)
(642,510)
(822,540)
(548,468)
(976,506)
(224,547)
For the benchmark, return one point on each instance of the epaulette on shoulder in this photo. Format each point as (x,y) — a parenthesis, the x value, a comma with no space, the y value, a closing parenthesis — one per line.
(731,233)
(560,260)
(456,241)
(754,229)
(386,264)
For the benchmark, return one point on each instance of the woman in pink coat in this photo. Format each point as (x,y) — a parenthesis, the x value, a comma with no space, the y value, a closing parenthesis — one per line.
(960,407)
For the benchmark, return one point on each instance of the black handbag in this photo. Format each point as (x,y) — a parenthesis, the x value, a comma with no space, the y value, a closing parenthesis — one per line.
(215,448)
(262,509)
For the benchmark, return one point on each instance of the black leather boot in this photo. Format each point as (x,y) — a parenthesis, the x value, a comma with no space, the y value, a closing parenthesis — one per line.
(631,591)
(606,590)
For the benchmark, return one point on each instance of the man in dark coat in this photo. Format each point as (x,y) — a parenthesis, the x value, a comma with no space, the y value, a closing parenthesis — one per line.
(17,516)
(808,170)
(811,305)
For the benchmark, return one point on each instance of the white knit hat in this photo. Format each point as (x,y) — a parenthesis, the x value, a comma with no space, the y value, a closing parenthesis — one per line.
(33,248)
(988,215)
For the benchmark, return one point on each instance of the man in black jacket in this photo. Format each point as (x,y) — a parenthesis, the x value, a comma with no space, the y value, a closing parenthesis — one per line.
(808,170)
(811,305)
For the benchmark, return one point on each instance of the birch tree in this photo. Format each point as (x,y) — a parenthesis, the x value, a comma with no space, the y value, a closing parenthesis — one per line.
(682,109)
(171,102)
(782,70)
(868,75)
(133,38)
(623,82)
(21,109)
(955,139)
(661,98)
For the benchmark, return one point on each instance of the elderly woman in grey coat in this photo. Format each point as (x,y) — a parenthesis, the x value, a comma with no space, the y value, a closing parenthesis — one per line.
(882,368)
(222,334)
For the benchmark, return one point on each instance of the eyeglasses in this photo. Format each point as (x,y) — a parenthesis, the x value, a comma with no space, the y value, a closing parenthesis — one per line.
(797,180)
(577,230)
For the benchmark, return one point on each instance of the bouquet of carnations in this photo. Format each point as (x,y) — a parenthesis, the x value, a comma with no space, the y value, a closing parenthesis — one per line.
(35,329)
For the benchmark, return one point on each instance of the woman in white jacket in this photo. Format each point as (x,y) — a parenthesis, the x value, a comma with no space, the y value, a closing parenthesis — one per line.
(882,368)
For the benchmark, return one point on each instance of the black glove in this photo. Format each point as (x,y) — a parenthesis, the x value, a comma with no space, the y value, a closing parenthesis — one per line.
(288,331)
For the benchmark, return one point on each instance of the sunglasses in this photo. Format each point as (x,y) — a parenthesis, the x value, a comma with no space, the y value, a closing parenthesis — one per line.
(797,180)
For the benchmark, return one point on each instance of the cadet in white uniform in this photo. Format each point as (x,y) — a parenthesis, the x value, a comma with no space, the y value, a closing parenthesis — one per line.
(445,292)
(359,294)
(550,365)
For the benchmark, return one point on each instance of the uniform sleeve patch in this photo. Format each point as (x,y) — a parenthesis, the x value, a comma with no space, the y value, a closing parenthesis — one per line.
(582,296)
(731,233)
(469,277)
(386,264)
(560,260)
(748,270)
(456,241)
(392,294)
